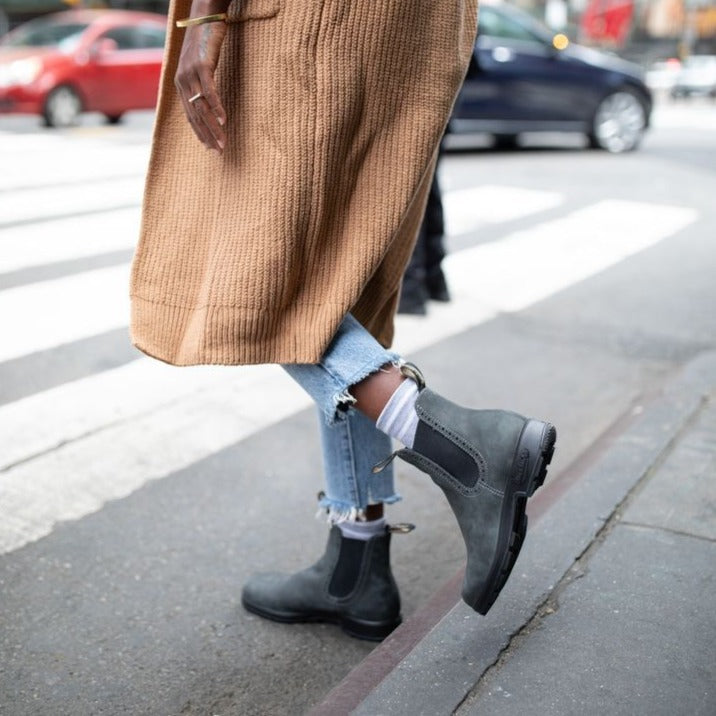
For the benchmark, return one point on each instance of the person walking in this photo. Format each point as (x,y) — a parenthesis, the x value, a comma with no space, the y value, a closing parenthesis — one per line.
(423,278)
(293,150)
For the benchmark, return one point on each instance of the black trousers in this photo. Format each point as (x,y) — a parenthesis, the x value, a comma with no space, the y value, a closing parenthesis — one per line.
(423,271)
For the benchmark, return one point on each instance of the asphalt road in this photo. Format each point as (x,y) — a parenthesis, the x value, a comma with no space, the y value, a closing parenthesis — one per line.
(136,498)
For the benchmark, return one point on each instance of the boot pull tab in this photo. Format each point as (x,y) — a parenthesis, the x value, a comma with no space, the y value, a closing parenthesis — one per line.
(384,463)
(401,528)
(410,370)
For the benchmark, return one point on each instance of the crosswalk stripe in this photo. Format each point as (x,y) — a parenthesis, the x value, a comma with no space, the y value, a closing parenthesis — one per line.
(78,479)
(51,418)
(34,161)
(528,266)
(64,310)
(219,407)
(68,309)
(84,236)
(547,257)
(58,201)
(67,239)
(468,209)
(50,313)
(701,118)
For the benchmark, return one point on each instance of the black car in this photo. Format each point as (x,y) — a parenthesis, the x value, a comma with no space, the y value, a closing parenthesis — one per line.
(523,78)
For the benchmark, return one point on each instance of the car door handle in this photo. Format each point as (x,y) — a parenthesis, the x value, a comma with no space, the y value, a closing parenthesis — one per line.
(502,54)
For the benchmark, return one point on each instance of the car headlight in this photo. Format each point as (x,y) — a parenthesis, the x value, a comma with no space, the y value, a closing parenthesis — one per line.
(20,72)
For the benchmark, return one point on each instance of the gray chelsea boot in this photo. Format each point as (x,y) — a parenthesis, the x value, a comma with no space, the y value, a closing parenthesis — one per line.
(487,462)
(351,585)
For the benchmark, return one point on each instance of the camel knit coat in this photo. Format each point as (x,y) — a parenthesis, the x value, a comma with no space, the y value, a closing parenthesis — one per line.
(335,110)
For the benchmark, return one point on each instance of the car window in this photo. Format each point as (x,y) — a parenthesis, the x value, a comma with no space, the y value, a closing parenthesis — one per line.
(150,36)
(44,34)
(494,24)
(125,37)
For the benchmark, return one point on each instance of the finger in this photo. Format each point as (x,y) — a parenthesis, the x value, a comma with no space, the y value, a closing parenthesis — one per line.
(194,111)
(197,112)
(185,90)
(197,124)
(211,131)
(212,97)
(214,117)
(211,125)
(211,118)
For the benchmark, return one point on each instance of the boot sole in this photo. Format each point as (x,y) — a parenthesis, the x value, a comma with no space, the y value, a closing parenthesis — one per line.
(358,628)
(532,457)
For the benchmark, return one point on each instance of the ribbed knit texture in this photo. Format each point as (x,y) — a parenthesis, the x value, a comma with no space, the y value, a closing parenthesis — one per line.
(335,110)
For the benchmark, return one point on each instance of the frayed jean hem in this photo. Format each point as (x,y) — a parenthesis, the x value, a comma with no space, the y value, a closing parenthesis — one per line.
(336,511)
(352,444)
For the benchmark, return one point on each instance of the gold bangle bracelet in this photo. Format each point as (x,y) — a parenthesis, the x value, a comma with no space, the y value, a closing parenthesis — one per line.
(191,21)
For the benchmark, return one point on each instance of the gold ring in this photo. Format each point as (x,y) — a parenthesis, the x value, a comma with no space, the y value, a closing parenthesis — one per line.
(195,97)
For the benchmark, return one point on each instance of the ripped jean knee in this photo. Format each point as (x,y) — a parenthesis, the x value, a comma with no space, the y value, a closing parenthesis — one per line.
(352,355)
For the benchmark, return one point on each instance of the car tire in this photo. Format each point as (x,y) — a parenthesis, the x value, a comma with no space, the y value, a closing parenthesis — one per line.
(113,118)
(505,141)
(619,122)
(63,107)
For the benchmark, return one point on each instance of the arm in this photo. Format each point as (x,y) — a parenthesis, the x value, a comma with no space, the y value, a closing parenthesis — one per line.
(194,78)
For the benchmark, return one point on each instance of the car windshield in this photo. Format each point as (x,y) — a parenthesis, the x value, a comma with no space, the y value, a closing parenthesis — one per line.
(510,25)
(41,33)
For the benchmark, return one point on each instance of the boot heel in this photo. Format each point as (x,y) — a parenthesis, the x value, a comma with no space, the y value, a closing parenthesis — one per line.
(536,446)
(534,453)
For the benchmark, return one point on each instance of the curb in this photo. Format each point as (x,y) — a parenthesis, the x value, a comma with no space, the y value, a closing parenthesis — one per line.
(434,659)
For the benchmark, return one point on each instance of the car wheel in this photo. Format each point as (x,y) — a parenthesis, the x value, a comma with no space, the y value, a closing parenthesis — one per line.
(619,122)
(113,118)
(62,107)
(505,141)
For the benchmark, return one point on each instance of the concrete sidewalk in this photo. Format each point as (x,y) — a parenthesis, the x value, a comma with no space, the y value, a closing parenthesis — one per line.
(611,606)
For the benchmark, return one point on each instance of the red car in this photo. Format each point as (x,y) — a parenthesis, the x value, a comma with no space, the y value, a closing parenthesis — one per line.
(77,61)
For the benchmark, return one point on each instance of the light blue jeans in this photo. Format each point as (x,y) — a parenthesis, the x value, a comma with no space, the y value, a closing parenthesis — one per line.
(351,443)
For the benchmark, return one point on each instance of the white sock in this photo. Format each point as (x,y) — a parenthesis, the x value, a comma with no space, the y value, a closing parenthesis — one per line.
(399,419)
(362,530)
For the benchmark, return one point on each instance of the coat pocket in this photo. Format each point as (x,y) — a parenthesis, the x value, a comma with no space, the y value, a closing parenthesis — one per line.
(240,10)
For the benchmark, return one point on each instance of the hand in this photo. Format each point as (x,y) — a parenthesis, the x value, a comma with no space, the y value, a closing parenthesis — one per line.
(195,75)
